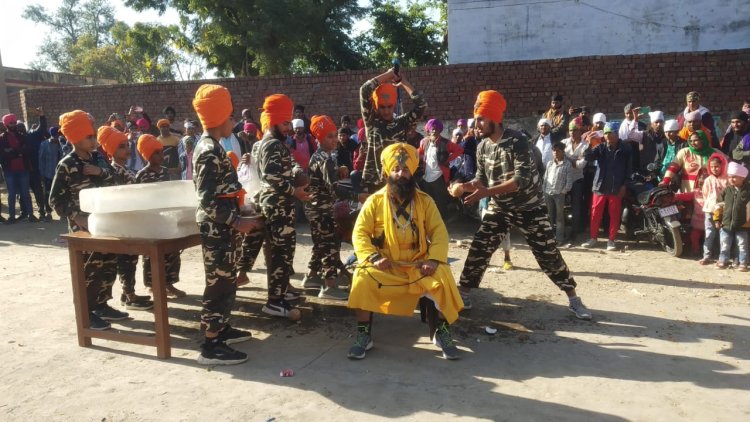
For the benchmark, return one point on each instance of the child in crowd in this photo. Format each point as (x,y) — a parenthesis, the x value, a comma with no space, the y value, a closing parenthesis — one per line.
(115,144)
(731,216)
(85,168)
(152,152)
(558,180)
(712,187)
(185,150)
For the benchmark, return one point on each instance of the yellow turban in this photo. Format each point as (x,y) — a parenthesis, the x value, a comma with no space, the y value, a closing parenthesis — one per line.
(162,123)
(213,103)
(76,126)
(399,155)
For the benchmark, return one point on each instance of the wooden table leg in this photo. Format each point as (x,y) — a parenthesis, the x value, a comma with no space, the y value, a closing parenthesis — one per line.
(80,298)
(161,316)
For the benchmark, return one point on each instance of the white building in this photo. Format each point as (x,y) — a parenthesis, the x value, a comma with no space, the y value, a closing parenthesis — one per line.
(507,30)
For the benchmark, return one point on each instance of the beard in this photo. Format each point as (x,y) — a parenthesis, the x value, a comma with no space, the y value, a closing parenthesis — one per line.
(402,188)
(277,133)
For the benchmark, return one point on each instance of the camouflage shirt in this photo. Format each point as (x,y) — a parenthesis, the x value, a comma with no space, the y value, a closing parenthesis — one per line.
(69,181)
(380,133)
(123,175)
(146,175)
(323,188)
(509,159)
(215,183)
(277,170)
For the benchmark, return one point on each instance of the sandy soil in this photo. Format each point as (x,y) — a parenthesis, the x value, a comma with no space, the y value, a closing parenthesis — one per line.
(670,341)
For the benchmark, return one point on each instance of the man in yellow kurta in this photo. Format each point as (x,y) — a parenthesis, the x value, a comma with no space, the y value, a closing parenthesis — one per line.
(402,248)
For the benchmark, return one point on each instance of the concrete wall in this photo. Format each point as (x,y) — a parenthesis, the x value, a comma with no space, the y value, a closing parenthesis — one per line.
(600,82)
(506,30)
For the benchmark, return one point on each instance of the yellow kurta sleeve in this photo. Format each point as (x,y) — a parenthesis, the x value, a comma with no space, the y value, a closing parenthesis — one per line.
(364,229)
(436,233)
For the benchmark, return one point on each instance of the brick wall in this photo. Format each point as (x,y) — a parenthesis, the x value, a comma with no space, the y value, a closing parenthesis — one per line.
(14,103)
(604,83)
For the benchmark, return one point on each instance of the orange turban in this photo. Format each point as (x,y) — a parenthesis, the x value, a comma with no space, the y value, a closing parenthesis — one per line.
(76,126)
(163,123)
(490,105)
(384,94)
(234,159)
(321,126)
(110,139)
(213,103)
(277,109)
(148,145)
(399,155)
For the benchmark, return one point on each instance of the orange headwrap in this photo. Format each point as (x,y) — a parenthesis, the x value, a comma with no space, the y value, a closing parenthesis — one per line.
(164,123)
(234,159)
(384,94)
(321,126)
(213,103)
(277,109)
(110,139)
(148,145)
(490,105)
(76,126)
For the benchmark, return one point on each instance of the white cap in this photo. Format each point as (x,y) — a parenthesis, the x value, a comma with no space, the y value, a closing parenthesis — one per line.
(471,123)
(297,123)
(671,126)
(457,131)
(656,116)
(600,118)
(544,122)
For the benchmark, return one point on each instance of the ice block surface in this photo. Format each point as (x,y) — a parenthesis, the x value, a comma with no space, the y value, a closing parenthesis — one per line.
(152,224)
(141,197)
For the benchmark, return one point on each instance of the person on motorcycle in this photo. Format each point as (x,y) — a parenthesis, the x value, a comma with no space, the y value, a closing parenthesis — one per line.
(673,144)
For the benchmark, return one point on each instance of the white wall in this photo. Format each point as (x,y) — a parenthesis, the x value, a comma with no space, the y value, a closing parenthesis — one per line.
(506,30)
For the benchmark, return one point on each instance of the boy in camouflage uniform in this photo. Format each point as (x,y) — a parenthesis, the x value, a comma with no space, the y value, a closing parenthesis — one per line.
(115,144)
(506,174)
(324,175)
(152,152)
(220,223)
(277,201)
(377,99)
(85,168)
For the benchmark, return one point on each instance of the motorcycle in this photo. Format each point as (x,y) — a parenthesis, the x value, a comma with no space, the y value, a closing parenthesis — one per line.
(651,212)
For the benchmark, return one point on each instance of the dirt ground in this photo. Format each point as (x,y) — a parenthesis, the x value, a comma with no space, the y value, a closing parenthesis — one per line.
(670,340)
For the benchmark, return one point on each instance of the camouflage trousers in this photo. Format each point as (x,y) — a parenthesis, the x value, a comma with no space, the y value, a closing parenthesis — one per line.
(100,270)
(219,244)
(325,258)
(126,265)
(281,239)
(535,226)
(251,245)
(172,262)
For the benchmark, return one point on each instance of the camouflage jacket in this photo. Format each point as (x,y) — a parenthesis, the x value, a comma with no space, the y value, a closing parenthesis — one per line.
(277,170)
(380,133)
(509,159)
(123,175)
(323,188)
(146,175)
(69,181)
(215,183)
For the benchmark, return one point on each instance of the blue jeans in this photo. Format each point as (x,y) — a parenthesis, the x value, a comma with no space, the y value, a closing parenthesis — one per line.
(18,183)
(556,211)
(711,234)
(727,238)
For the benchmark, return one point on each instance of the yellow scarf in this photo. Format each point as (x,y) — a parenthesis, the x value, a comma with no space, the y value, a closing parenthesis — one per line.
(390,228)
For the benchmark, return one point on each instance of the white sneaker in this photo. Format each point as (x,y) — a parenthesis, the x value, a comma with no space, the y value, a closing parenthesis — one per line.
(589,243)
(611,245)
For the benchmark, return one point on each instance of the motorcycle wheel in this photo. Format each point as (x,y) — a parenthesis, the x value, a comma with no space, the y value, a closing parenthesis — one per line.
(671,240)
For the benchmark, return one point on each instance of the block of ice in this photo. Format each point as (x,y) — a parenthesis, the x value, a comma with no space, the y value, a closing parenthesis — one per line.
(168,223)
(141,197)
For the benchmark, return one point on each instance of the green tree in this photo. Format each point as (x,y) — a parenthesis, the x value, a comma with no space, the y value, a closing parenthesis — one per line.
(251,37)
(409,33)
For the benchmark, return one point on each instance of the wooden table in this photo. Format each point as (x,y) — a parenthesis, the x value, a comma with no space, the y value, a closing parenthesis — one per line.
(81,242)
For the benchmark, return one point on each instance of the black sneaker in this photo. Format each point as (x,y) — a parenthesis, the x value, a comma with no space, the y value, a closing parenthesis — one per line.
(444,341)
(33,219)
(109,313)
(218,353)
(98,324)
(231,335)
(277,307)
(142,303)
(2,219)
(362,344)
